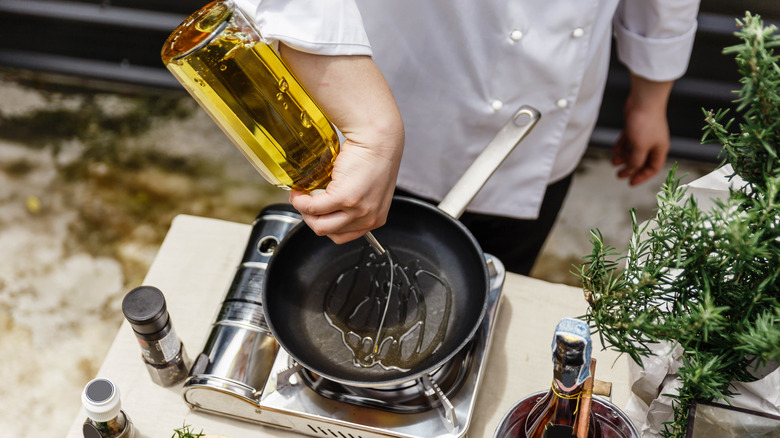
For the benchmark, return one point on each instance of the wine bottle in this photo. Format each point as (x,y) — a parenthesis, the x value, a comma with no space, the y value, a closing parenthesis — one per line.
(556,414)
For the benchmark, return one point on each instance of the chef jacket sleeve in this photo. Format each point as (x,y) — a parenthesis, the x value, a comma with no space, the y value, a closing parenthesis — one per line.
(323,27)
(655,37)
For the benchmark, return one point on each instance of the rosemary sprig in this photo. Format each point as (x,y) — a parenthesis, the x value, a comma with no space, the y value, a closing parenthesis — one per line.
(706,280)
(185,431)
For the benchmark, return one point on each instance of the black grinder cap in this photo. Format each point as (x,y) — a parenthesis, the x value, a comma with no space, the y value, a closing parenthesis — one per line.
(144,307)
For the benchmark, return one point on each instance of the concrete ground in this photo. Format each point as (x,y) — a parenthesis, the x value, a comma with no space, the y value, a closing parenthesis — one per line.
(89,182)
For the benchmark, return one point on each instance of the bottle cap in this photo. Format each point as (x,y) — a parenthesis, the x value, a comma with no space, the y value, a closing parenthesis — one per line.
(144,307)
(101,400)
(197,31)
(571,348)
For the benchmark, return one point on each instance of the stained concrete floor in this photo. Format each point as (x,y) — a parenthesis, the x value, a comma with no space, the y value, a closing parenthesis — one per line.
(89,182)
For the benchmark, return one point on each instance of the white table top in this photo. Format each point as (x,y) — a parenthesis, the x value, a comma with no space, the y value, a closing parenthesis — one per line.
(194,268)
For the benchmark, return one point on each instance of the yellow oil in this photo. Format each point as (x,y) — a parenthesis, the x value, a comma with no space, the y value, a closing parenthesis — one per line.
(248,91)
(380,308)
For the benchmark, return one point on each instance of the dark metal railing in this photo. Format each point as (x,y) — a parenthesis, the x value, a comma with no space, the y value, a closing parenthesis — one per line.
(120,41)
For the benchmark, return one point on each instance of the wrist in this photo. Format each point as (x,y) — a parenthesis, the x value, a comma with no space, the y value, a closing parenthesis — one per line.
(649,96)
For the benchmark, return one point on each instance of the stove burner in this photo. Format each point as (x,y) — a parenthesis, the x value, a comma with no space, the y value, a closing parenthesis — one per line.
(242,372)
(404,398)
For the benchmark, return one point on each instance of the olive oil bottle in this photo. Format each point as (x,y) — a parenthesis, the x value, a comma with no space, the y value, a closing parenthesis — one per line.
(222,61)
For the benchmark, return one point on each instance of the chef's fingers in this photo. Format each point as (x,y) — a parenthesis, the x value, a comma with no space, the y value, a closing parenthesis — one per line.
(654,163)
(346,237)
(326,216)
(323,225)
(320,212)
(333,226)
(620,150)
(634,160)
(643,163)
(313,204)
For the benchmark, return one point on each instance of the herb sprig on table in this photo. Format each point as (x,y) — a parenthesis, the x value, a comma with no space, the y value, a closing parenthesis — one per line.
(706,280)
(186,432)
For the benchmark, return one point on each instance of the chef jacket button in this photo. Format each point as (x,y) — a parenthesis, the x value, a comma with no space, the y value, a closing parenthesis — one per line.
(562,103)
(578,32)
(516,35)
(496,105)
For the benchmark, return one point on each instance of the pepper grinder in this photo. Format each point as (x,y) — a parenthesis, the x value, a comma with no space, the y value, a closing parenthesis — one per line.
(163,352)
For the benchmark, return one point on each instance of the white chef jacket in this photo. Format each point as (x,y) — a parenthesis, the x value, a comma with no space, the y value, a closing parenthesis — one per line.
(459,69)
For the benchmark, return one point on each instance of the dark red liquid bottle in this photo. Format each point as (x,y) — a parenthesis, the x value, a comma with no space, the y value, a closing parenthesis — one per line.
(556,412)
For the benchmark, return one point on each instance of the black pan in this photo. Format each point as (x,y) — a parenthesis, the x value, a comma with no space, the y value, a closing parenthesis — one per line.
(315,291)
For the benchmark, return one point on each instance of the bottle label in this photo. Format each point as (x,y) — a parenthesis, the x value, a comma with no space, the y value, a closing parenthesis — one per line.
(163,350)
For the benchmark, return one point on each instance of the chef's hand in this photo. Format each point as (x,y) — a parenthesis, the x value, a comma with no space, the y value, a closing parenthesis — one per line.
(643,145)
(355,96)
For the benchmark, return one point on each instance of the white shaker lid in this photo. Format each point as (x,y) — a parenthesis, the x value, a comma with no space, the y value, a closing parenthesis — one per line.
(101,400)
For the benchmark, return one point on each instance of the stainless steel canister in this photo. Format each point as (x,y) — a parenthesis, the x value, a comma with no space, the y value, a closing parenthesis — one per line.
(239,352)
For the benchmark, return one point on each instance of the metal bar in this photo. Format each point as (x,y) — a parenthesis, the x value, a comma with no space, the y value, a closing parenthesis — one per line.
(91,13)
(716,23)
(150,76)
(681,147)
(618,79)
(721,24)
(704,88)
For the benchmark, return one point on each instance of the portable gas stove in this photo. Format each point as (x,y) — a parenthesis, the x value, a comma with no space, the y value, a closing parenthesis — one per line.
(242,373)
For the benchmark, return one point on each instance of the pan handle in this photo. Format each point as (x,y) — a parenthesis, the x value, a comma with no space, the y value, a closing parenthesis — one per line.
(510,135)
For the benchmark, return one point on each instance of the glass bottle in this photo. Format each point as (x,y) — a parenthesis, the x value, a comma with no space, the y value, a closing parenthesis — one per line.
(222,60)
(105,417)
(239,79)
(163,352)
(557,413)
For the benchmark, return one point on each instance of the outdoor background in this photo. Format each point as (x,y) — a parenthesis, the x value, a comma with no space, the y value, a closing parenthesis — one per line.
(97,155)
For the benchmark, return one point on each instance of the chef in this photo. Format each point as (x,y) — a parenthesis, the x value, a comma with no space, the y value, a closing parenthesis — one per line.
(419,87)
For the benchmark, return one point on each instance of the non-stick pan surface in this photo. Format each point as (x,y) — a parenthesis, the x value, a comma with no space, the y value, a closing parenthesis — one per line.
(298,297)
(305,266)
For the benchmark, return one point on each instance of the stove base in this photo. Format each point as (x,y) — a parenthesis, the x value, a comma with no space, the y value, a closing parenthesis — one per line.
(298,408)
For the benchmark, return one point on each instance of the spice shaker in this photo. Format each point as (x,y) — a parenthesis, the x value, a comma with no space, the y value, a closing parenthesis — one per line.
(163,352)
(105,417)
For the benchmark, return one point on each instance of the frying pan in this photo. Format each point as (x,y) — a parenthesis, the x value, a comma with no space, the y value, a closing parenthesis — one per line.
(302,296)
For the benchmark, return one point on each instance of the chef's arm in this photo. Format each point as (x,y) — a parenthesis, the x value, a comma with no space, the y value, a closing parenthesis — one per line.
(654,40)
(641,150)
(352,92)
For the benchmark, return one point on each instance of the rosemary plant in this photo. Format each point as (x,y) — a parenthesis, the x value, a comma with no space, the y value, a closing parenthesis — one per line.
(185,431)
(706,280)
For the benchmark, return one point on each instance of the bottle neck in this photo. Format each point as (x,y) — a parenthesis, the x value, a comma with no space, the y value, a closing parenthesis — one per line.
(567,403)
(558,417)
(560,389)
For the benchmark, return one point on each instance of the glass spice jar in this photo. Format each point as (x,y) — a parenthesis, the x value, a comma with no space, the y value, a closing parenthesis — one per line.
(163,352)
(105,417)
